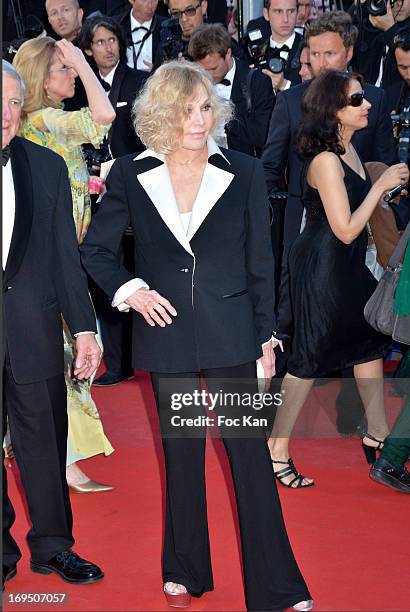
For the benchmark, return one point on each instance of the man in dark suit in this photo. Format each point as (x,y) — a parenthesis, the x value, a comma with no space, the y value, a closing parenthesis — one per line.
(330,39)
(398,94)
(283,43)
(103,41)
(249,90)
(43,279)
(65,17)
(142,30)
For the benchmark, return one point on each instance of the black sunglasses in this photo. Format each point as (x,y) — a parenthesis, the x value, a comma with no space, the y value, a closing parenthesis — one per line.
(356,99)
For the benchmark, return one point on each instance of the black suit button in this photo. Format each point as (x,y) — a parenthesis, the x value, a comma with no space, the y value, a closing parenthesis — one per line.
(184,270)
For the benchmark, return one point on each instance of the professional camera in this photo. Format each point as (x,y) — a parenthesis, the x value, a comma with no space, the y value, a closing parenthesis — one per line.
(262,55)
(171,39)
(95,157)
(30,27)
(378,7)
(401,125)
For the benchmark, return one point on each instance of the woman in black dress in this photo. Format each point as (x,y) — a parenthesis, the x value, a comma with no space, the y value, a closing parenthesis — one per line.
(329,281)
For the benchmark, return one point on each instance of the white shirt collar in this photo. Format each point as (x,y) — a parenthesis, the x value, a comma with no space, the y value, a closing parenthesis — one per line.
(289,42)
(110,76)
(136,24)
(231,73)
(213,149)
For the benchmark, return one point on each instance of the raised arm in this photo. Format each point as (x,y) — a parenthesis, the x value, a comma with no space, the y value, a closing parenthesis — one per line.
(326,175)
(100,106)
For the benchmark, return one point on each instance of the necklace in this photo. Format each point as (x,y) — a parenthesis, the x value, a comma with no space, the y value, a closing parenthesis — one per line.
(185,163)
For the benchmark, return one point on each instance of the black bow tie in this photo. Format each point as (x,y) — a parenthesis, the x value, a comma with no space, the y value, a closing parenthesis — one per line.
(139,28)
(226,82)
(282,48)
(105,85)
(6,155)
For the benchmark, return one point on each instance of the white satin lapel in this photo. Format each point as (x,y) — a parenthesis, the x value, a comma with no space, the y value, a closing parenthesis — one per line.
(214,184)
(157,185)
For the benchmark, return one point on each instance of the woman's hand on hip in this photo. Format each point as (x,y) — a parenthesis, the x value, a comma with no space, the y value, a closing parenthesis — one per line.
(154,308)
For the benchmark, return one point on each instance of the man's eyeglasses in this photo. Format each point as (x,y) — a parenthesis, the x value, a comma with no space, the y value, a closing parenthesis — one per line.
(356,99)
(190,11)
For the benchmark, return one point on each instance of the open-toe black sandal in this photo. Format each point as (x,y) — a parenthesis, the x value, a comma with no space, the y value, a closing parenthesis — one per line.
(289,471)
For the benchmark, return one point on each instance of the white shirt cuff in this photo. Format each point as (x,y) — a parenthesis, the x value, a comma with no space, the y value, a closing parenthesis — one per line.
(275,342)
(124,292)
(82,333)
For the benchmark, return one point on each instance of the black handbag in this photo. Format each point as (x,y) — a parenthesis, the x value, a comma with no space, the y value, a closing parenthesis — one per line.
(378,311)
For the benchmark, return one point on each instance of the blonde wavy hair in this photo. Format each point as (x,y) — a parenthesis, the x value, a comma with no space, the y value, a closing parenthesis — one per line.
(162,106)
(32,62)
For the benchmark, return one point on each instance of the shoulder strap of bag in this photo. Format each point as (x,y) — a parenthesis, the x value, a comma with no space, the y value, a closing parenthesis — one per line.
(400,248)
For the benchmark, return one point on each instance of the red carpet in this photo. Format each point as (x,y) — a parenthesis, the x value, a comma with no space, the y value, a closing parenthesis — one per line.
(350,536)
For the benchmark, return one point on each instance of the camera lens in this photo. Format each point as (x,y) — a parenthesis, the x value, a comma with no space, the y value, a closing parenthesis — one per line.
(377,7)
(276,65)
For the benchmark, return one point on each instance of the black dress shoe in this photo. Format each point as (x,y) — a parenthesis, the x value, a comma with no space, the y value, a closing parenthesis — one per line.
(112,378)
(70,567)
(387,474)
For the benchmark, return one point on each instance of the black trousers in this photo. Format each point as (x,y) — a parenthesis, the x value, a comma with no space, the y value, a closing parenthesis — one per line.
(272,578)
(37,415)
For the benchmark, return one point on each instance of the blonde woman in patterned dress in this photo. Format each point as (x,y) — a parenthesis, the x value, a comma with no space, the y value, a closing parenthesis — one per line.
(49,69)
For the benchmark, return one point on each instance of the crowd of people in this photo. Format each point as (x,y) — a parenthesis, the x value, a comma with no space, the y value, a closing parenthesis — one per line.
(214,191)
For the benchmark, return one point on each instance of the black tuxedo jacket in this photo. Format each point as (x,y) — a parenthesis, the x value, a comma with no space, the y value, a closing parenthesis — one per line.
(124,21)
(218,276)
(248,131)
(43,276)
(397,95)
(374,143)
(126,85)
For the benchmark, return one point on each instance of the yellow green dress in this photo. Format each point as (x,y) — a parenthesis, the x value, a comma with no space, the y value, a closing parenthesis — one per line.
(64,132)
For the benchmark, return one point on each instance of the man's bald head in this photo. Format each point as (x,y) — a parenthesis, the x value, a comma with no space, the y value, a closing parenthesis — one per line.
(65,17)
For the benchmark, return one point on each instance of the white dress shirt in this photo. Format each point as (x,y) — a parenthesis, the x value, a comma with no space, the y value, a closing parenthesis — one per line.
(146,51)
(108,78)
(283,54)
(8,210)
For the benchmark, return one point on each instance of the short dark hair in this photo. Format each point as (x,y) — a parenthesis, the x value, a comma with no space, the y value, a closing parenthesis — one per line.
(401,41)
(209,38)
(266,4)
(326,95)
(339,22)
(90,26)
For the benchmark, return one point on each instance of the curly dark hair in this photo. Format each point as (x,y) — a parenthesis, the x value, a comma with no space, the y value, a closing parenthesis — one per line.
(326,95)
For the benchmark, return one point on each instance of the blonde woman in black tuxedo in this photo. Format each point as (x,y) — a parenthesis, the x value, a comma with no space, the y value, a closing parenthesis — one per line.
(203,303)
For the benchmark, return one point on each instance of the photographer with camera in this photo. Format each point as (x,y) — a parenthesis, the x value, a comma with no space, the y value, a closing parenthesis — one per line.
(379,21)
(142,29)
(249,90)
(278,54)
(185,18)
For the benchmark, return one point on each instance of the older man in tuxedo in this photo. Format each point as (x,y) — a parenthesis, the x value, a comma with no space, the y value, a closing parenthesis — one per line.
(43,279)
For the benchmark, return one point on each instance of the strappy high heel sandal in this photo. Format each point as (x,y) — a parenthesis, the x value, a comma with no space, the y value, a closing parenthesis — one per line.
(370,451)
(290,470)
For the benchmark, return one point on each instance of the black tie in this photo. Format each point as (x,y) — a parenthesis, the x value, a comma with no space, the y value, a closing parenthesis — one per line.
(105,85)
(226,82)
(282,48)
(6,155)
